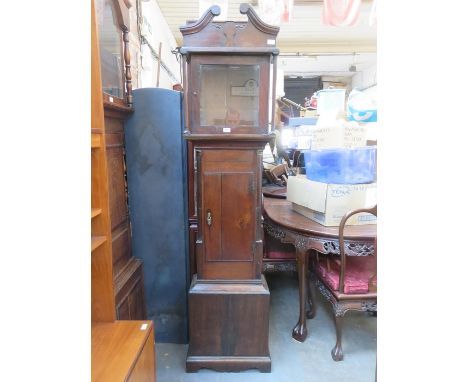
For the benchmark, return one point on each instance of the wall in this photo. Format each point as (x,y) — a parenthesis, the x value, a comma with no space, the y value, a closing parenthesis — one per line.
(155,30)
(367,80)
(134,44)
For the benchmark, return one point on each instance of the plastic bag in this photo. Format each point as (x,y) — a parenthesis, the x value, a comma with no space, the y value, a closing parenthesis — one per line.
(361,107)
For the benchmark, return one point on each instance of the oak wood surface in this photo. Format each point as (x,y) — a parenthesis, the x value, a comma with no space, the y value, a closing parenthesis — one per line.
(274,191)
(228,325)
(102,286)
(97,241)
(128,274)
(145,368)
(228,298)
(228,181)
(95,212)
(120,351)
(117,350)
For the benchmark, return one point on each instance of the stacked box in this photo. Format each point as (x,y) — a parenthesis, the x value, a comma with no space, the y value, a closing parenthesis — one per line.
(328,203)
(328,136)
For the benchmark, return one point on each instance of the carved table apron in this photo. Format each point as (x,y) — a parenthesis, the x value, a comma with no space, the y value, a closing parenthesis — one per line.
(281,222)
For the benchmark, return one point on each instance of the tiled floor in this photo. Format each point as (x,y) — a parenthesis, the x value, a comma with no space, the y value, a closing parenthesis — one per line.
(293,361)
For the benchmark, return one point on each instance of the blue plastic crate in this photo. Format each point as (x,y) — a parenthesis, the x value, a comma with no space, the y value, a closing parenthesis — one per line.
(299,121)
(341,166)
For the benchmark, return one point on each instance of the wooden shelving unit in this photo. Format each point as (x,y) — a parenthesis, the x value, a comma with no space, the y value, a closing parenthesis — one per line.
(120,350)
(97,241)
(95,212)
(102,288)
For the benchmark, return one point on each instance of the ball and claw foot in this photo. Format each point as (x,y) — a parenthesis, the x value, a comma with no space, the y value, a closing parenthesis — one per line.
(299,332)
(337,353)
(310,314)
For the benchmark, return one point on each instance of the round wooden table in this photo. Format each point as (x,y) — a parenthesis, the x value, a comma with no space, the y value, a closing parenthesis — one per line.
(274,191)
(281,222)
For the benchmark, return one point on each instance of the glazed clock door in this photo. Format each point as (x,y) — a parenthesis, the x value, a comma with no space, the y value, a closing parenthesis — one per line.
(228,211)
(226,95)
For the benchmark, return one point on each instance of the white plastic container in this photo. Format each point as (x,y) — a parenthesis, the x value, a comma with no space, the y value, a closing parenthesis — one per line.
(330,101)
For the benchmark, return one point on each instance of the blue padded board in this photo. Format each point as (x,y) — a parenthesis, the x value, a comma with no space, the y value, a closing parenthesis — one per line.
(156,176)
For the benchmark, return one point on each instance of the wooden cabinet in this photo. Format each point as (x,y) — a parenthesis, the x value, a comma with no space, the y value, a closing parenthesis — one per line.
(117,96)
(123,351)
(120,350)
(227,72)
(127,270)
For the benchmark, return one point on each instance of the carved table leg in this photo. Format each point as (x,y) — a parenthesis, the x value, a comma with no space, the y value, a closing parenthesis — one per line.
(310,293)
(300,330)
(337,351)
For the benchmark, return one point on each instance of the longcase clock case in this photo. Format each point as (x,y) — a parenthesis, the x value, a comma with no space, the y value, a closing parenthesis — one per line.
(228,71)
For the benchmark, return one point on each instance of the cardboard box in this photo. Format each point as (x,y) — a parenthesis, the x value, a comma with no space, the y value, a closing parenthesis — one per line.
(328,203)
(324,137)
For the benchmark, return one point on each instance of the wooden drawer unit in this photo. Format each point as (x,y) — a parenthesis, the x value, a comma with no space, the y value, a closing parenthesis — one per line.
(123,351)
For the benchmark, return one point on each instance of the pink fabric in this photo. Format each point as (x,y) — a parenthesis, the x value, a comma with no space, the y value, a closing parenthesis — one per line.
(275,249)
(359,269)
(340,13)
(280,255)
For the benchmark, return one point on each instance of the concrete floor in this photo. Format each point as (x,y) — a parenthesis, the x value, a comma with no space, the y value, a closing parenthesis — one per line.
(293,361)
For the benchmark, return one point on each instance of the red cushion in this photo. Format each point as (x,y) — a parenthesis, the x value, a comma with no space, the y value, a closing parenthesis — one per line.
(275,249)
(280,255)
(359,269)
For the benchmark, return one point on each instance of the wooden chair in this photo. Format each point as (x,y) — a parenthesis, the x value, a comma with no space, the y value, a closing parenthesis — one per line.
(278,174)
(349,283)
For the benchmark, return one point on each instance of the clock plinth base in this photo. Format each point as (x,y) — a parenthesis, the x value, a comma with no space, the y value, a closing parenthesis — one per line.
(228,323)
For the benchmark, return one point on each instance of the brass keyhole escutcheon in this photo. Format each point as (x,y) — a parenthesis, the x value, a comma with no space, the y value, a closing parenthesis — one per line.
(209,218)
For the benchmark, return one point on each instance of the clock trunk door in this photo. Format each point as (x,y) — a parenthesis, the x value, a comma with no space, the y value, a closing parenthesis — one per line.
(229,186)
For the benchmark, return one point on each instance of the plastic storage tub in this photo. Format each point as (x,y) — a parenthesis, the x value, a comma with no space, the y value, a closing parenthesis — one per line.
(330,101)
(341,166)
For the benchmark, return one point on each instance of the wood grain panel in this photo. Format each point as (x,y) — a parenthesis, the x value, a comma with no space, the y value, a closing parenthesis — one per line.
(137,311)
(121,247)
(193,229)
(123,310)
(102,288)
(113,125)
(238,216)
(212,205)
(145,368)
(217,317)
(229,185)
(117,194)
(116,348)
(129,293)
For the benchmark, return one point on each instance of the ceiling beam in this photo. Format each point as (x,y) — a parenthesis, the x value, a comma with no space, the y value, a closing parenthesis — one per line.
(307,47)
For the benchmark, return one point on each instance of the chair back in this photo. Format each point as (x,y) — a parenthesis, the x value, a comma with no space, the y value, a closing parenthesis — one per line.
(371,210)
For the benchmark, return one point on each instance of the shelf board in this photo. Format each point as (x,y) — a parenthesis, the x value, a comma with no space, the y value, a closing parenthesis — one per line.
(116,348)
(95,212)
(95,141)
(97,241)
